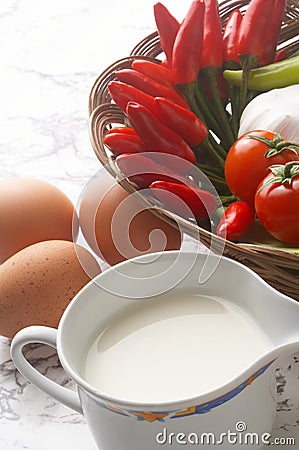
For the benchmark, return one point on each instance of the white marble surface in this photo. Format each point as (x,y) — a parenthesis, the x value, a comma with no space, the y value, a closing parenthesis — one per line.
(50,54)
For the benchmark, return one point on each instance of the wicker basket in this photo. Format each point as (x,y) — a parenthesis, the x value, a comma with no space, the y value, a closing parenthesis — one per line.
(278,267)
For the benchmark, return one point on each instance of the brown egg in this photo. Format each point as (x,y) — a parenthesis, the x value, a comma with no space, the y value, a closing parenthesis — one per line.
(37,283)
(116,225)
(33,211)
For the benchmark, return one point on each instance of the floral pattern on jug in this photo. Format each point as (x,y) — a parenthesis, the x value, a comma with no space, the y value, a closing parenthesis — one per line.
(153,416)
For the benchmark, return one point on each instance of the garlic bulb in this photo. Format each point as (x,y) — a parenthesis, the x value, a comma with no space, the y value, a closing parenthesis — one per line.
(275,110)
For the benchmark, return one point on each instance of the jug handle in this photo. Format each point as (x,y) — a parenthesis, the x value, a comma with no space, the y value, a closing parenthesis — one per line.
(48,336)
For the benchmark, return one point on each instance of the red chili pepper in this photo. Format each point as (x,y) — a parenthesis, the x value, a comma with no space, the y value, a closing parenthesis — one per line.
(280,55)
(168,27)
(156,136)
(143,170)
(124,143)
(272,32)
(201,203)
(155,71)
(122,129)
(211,65)
(181,120)
(149,86)
(230,37)
(251,33)
(236,221)
(165,64)
(187,46)
(212,49)
(123,93)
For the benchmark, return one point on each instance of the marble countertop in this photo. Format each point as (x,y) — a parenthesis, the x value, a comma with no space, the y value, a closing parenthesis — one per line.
(51,52)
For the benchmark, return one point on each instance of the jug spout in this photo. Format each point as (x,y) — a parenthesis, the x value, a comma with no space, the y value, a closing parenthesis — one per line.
(284,350)
(278,316)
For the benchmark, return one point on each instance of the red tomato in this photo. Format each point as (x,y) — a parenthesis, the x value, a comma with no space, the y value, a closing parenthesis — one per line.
(247,164)
(277,206)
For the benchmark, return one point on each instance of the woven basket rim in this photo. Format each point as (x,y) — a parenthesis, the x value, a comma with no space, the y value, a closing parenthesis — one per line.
(103,113)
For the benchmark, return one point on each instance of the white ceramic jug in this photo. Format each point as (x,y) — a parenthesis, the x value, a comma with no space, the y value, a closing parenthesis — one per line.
(237,413)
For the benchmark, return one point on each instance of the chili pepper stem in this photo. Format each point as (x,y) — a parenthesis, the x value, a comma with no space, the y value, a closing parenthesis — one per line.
(219,183)
(198,105)
(219,161)
(248,62)
(208,170)
(211,73)
(208,115)
(191,91)
(227,199)
(217,147)
(234,103)
(206,149)
(220,186)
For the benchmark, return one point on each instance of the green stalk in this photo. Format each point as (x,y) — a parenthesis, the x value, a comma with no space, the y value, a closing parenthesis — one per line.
(220,186)
(191,91)
(209,118)
(251,95)
(215,156)
(217,179)
(211,74)
(248,62)
(226,200)
(205,153)
(210,174)
(217,146)
(210,171)
(234,98)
